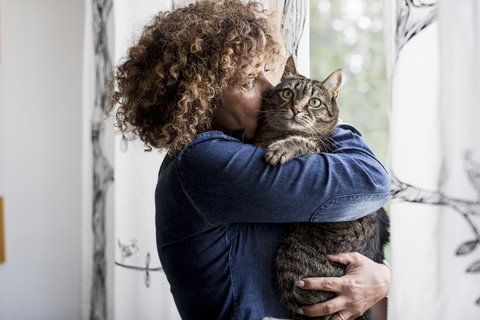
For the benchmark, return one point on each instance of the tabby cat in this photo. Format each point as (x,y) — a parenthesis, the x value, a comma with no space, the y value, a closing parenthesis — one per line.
(297,118)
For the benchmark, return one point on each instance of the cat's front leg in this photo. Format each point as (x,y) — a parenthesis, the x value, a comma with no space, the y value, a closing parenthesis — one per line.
(282,151)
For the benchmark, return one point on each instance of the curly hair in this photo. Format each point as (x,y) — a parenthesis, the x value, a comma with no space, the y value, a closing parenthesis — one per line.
(171,80)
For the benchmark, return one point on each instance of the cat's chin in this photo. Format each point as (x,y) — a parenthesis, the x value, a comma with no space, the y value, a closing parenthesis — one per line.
(293,125)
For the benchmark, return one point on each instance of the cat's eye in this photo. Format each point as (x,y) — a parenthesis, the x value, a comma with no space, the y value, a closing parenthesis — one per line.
(287,94)
(315,103)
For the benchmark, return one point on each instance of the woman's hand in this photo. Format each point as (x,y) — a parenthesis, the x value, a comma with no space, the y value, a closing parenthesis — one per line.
(363,285)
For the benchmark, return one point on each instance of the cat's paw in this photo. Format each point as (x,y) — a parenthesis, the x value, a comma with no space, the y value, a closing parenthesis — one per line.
(278,153)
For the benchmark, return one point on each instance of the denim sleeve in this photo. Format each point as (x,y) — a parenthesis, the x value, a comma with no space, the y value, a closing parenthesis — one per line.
(228,181)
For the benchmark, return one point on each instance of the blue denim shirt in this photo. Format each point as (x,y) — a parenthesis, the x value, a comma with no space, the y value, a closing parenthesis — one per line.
(221,211)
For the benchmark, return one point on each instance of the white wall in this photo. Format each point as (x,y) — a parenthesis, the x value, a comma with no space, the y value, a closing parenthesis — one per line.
(40,157)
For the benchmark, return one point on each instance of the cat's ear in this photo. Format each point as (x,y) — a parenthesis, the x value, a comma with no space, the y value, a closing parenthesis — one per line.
(290,69)
(333,81)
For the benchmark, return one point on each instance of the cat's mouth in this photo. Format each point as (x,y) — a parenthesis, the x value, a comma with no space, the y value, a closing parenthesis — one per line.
(294,123)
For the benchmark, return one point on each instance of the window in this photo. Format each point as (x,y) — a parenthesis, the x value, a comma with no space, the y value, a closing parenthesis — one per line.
(348,34)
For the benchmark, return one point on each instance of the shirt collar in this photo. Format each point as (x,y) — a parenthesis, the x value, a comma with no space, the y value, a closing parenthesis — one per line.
(239,134)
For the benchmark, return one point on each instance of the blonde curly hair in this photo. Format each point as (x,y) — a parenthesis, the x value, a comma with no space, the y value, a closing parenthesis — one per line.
(170,82)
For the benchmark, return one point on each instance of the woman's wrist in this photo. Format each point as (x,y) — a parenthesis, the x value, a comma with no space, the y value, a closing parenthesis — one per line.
(387,278)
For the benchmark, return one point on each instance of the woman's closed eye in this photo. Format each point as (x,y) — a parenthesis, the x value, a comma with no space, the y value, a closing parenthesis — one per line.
(251,82)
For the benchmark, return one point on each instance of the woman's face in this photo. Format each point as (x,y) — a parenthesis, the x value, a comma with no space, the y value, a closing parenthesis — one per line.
(239,108)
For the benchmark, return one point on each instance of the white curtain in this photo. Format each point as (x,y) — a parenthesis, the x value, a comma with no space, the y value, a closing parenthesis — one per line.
(122,276)
(434,51)
(141,290)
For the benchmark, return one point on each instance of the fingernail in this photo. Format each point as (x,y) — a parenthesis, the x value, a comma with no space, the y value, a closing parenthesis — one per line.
(299,311)
(300,283)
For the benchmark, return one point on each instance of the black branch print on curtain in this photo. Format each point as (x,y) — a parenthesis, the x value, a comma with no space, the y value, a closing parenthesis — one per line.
(468,209)
(127,251)
(412,17)
(102,170)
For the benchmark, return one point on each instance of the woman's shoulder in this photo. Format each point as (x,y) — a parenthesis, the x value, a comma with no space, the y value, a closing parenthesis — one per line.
(343,127)
(209,136)
(213,143)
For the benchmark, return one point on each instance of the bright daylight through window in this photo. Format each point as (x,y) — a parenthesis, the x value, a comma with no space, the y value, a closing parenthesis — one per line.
(348,34)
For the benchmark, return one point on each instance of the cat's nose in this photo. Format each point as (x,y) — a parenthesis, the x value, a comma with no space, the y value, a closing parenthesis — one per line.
(296,111)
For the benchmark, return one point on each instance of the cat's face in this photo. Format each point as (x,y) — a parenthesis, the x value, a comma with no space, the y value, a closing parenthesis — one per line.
(301,104)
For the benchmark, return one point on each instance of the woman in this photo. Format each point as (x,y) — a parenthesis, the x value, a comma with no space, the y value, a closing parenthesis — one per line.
(193,85)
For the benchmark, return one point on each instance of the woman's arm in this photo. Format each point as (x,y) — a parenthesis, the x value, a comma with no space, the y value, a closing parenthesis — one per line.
(364,284)
(229,181)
